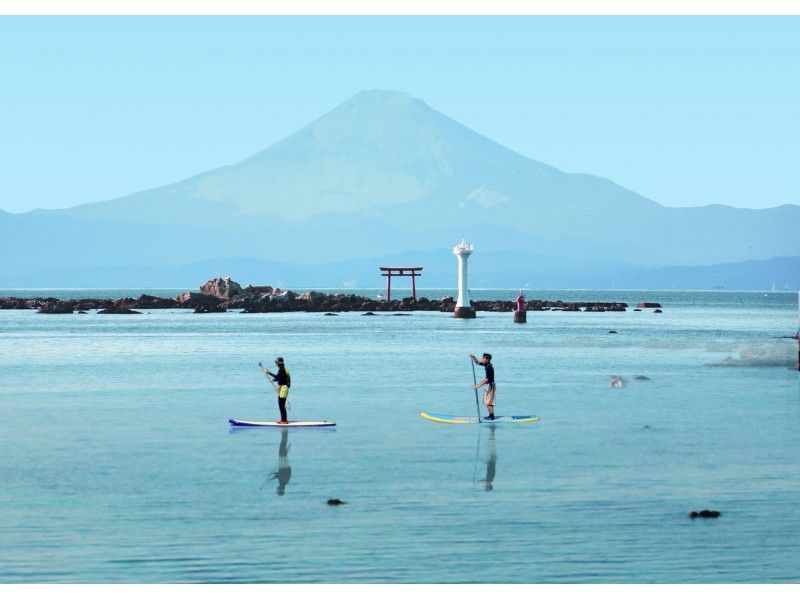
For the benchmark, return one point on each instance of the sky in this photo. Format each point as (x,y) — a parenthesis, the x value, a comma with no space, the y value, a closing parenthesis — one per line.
(687,111)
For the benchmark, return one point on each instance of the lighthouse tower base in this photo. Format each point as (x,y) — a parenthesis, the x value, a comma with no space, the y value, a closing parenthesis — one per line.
(464,312)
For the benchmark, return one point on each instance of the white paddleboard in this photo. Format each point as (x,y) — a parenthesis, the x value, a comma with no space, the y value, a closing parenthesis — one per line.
(471,419)
(294,424)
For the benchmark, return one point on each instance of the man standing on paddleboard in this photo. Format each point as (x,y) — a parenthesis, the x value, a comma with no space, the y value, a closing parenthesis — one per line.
(283,381)
(488,381)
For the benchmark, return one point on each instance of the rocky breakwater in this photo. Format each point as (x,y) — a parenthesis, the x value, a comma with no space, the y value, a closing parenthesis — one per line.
(51,305)
(542,305)
(266,299)
(222,294)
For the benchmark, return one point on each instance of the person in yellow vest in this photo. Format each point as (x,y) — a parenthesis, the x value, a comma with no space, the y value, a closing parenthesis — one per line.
(283,381)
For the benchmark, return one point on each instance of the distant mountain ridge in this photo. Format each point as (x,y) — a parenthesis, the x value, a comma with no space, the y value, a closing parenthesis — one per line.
(488,270)
(385,173)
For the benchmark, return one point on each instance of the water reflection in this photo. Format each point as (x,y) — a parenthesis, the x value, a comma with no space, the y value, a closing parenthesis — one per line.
(490,458)
(284,471)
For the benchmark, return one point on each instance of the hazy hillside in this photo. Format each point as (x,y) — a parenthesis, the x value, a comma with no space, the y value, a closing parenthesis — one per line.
(384,173)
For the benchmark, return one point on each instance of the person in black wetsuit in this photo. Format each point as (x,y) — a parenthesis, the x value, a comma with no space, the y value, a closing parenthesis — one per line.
(488,381)
(283,381)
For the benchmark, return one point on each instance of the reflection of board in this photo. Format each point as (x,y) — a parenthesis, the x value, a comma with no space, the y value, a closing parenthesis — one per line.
(252,424)
(471,419)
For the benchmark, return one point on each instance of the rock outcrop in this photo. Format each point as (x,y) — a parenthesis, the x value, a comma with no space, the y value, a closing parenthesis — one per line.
(57,307)
(222,288)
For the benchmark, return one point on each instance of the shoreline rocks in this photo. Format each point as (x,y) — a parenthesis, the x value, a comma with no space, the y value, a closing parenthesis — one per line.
(223,294)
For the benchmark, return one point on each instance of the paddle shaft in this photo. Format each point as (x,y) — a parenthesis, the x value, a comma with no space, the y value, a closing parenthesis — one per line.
(266,375)
(274,384)
(474,383)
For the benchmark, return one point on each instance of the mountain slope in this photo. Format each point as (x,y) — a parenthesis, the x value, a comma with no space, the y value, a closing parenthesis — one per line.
(383,172)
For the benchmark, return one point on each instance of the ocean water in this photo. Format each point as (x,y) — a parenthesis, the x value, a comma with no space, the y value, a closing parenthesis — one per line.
(117,463)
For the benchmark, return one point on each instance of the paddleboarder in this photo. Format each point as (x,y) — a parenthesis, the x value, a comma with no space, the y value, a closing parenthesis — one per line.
(488,382)
(283,381)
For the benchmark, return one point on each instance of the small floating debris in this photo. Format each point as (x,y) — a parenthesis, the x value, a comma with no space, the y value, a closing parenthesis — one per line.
(637,309)
(612,332)
(641,377)
(331,314)
(657,311)
(335,502)
(401,314)
(704,514)
(618,382)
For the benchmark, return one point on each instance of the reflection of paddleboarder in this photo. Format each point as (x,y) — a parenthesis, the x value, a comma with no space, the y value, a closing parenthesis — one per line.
(284,472)
(491,460)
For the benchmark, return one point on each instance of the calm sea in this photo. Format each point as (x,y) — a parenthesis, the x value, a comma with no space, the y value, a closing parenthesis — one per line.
(118,464)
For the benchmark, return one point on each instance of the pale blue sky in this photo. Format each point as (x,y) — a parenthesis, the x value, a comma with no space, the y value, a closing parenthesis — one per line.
(686,111)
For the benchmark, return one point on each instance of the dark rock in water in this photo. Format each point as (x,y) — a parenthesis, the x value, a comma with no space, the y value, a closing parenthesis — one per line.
(401,314)
(191,300)
(151,302)
(704,514)
(119,310)
(82,312)
(640,377)
(223,288)
(209,309)
(646,304)
(645,427)
(612,332)
(657,311)
(330,314)
(56,307)
(369,313)
(15,303)
(335,502)
(637,309)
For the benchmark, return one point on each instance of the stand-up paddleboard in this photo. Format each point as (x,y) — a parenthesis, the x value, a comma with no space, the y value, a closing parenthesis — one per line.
(296,424)
(470,419)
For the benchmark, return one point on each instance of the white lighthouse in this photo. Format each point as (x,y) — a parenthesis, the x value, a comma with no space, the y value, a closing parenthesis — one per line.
(463,309)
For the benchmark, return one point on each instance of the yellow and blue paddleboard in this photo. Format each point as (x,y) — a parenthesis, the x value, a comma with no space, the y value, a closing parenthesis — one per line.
(471,419)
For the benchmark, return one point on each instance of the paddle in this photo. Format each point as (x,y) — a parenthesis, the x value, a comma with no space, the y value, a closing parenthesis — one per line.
(474,382)
(271,381)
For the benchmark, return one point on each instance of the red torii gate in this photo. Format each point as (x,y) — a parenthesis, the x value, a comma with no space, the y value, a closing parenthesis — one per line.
(389,271)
